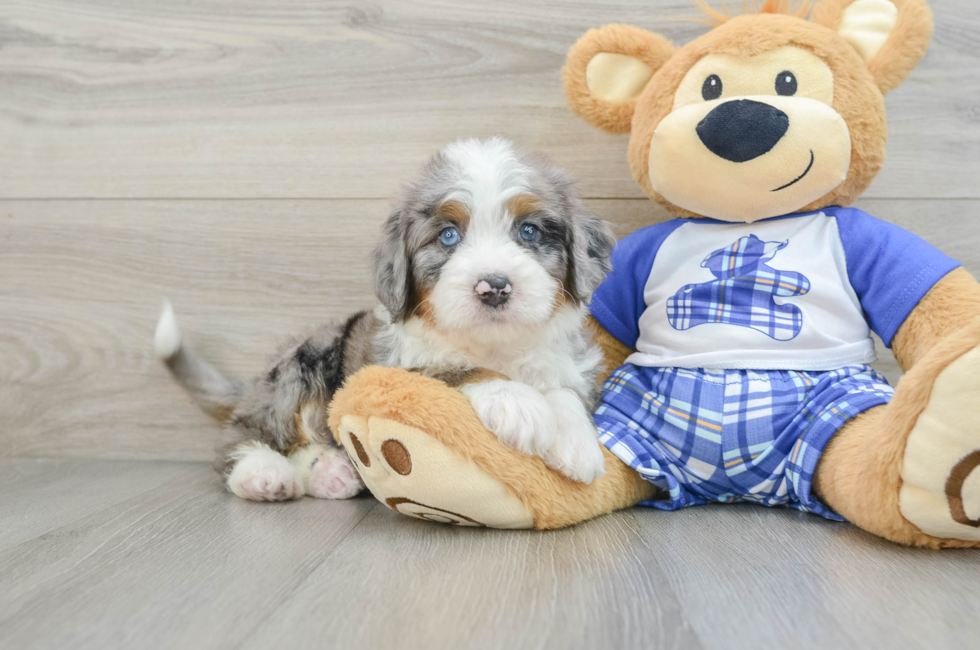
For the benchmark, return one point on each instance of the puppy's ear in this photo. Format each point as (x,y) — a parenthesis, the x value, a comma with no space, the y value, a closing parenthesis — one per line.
(592,244)
(392,270)
(890,35)
(607,69)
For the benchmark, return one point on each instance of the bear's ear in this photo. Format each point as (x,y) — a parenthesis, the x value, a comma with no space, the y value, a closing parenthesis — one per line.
(890,35)
(607,69)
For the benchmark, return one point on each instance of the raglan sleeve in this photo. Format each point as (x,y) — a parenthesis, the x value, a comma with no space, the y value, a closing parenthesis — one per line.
(618,302)
(890,269)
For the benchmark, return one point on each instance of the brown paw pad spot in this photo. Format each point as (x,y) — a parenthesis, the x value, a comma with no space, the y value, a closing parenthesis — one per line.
(430,513)
(360,451)
(397,456)
(954,489)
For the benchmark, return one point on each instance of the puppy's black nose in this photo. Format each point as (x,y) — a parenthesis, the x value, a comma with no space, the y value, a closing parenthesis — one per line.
(742,129)
(493,290)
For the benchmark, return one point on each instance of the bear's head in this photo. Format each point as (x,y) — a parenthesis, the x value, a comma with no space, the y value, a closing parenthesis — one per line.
(767,114)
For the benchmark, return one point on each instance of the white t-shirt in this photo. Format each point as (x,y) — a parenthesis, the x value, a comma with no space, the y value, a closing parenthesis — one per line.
(797,293)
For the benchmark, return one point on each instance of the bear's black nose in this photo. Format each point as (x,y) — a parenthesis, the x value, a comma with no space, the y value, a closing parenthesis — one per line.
(742,129)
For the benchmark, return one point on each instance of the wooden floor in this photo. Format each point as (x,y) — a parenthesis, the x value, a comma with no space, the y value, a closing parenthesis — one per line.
(142,554)
(237,157)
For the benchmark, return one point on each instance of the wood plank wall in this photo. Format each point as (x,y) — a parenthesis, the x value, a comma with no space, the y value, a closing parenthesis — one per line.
(237,157)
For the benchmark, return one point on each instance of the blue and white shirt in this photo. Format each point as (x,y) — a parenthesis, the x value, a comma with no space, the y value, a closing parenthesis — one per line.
(800,292)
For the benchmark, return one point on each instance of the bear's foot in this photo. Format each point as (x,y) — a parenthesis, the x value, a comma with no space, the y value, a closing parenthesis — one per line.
(909,471)
(940,491)
(414,474)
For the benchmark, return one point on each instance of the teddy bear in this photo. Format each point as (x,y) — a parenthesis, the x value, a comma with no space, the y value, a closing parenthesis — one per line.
(738,333)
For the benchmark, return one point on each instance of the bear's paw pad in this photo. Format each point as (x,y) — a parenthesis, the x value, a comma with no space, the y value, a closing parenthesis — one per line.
(940,491)
(416,475)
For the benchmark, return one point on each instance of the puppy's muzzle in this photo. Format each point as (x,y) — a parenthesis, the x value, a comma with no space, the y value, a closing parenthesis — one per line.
(493,290)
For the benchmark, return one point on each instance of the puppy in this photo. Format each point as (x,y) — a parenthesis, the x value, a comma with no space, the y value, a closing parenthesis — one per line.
(484,272)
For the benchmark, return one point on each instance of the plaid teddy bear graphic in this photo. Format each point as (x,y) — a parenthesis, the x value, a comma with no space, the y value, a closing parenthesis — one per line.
(742,292)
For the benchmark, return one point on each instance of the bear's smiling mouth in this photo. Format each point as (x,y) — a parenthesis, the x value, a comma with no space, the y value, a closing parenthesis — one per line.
(798,178)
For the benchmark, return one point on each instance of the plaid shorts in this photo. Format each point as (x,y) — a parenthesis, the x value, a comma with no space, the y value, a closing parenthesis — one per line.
(732,435)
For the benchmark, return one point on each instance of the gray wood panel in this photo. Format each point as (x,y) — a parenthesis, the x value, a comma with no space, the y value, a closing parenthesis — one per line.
(77,370)
(300,98)
(185,565)
(39,495)
(597,585)
(85,278)
(810,583)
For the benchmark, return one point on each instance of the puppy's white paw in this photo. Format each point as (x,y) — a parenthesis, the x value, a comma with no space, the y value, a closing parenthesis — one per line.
(576,452)
(262,474)
(517,413)
(577,458)
(333,476)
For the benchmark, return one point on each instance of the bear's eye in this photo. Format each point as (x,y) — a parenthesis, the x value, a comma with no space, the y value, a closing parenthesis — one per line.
(711,88)
(786,83)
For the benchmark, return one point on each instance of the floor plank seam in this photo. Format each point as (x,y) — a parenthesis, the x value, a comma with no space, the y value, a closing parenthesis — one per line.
(133,496)
(268,613)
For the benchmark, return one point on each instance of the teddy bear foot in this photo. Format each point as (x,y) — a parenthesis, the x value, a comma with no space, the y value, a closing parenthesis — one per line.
(421,449)
(940,491)
(405,469)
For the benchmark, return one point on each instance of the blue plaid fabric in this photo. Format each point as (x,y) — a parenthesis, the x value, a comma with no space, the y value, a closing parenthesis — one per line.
(742,292)
(732,435)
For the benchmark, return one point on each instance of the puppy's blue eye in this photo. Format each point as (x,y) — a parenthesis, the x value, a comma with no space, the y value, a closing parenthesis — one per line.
(529,233)
(449,237)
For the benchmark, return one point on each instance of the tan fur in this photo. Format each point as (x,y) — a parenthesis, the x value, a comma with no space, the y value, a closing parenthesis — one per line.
(949,306)
(456,379)
(858,86)
(454,211)
(903,50)
(859,474)
(614,352)
(523,204)
(446,415)
(856,97)
(303,437)
(561,299)
(423,309)
(716,17)
(612,117)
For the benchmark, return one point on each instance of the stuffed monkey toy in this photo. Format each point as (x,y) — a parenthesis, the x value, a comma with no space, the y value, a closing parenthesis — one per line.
(739,332)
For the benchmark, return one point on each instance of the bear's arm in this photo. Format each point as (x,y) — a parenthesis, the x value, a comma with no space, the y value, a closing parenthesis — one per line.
(953,303)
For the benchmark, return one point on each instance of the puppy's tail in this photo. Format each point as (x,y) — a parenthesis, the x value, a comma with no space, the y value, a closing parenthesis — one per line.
(212,391)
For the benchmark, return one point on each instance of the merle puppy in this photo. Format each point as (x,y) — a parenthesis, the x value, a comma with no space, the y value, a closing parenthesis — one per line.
(483,274)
